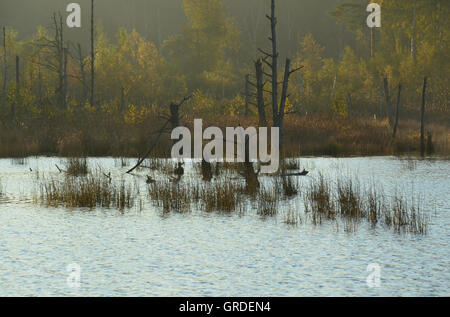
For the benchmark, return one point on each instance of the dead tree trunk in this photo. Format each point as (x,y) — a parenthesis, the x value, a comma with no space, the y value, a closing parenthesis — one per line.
(380,103)
(92,101)
(247,94)
(175,115)
(280,115)
(349,103)
(277,111)
(249,173)
(413,32)
(60,56)
(397,111)
(388,102)
(81,63)
(422,120)
(5,69)
(174,120)
(260,94)
(273,25)
(65,81)
(17,97)
(371,43)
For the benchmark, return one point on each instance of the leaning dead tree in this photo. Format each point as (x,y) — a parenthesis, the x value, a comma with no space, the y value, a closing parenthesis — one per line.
(173,119)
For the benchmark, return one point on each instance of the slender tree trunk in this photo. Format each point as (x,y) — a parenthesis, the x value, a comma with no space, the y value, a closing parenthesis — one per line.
(65,81)
(92,56)
(380,103)
(371,43)
(388,102)
(247,94)
(349,104)
(413,33)
(5,69)
(84,85)
(260,93)
(17,98)
(280,120)
(39,83)
(273,25)
(422,120)
(397,112)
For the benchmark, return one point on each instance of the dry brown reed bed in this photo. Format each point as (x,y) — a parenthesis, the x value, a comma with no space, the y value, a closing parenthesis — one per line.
(348,202)
(90,191)
(304,135)
(324,200)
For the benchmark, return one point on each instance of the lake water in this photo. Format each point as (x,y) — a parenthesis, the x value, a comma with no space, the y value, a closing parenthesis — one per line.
(142,252)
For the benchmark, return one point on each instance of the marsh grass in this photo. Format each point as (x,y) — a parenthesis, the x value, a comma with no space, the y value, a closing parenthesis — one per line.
(76,166)
(319,201)
(90,191)
(351,204)
(290,164)
(173,196)
(268,201)
(222,196)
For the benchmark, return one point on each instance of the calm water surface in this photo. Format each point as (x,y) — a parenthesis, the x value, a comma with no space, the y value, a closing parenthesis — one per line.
(144,253)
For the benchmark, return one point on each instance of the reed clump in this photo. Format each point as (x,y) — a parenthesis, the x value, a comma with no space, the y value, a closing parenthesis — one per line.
(77,166)
(348,202)
(319,201)
(173,196)
(91,191)
(268,202)
(222,196)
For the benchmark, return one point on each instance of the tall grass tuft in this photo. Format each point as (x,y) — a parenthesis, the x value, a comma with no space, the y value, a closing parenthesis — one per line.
(77,166)
(319,201)
(353,205)
(91,191)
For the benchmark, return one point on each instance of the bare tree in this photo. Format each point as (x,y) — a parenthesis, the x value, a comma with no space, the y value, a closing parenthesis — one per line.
(5,69)
(81,65)
(397,112)
(57,61)
(413,32)
(277,108)
(17,92)
(422,119)
(92,56)
(260,93)
(247,94)
(388,102)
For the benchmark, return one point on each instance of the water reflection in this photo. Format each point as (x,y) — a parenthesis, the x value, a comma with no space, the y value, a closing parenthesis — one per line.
(145,252)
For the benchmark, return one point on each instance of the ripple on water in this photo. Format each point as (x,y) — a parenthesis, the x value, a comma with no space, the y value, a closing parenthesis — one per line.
(142,253)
